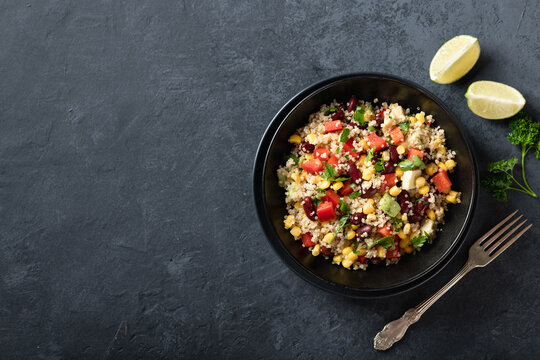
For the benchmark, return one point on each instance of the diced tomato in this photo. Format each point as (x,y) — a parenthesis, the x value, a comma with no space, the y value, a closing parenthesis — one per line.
(374,140)
(384,230)
(389,181)
(394,253)
(326,211)
(312,166)
(333,197)
(330,126)
(442,182)
(321,154)
(333,161)
(346,190)
(348,147)
(362,259)
(413,151)
(397,135)
(306,240)
(326,251)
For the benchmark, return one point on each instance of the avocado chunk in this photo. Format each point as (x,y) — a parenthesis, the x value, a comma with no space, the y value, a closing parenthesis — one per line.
(389,205)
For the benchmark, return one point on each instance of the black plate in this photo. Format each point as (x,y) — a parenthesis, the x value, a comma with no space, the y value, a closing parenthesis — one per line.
(378,280)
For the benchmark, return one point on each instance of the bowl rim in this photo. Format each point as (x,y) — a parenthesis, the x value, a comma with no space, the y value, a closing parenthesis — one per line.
(274,239)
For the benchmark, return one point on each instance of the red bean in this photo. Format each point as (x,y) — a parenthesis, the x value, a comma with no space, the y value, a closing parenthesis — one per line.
(404,201)
(326,251)
(338,115)
(389,168)
(307,147)
(364,229)
(394,156)
(351,104)
(369,192)
(356,218)
(308,208)
(415,218)
(355,174)
(421,205)
(379,116)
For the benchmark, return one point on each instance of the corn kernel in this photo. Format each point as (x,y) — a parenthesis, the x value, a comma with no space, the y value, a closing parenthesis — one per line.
(442,166)
(317,179)
(368,173)
(295,139)
(363,144)
(386,156)
(452,197)
(337,185)
(298,205)
(368,208)
(295,177)
(401,149)
(431,169)
(354,227)
(350,235)
(296,231)
(407,228)
(412,119)
(420,181)
(289,221)
(409,249)
(346,263)
(403,243)
(361,251)
(346,250)
(381,252)
(328,238)
(404,218)
(450,164)
(316,250)
(431,214)
(352,256)
(371,217)
(399,172)
(441,149)
(420,117)
(324,184)
(367,115)
(402,235)
(394,190)
(423,190)
(437,142)
(337,259)
(362,159)
(308,156)
(311,138)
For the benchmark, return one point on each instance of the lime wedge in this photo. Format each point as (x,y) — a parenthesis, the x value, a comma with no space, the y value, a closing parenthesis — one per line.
(493,100)
(454,59)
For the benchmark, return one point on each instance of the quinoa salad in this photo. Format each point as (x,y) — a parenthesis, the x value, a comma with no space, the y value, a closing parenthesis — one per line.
(367,183)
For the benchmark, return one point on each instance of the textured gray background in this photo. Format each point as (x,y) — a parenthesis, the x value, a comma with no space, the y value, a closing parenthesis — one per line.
(128,131)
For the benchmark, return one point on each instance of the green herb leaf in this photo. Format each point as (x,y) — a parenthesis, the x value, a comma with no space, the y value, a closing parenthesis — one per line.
(503,165)
(329,172)
(379,166)
(411,164)
(341,179)
(420,240)
(294,157)
(344,207)
(359,116)
(372,129)
(497,184)
(397,224)
(337,150)
(344,135)
(354,195)
(330,110)
(370,154)
(347,156)
(341,224)
(404,126)
(386,242)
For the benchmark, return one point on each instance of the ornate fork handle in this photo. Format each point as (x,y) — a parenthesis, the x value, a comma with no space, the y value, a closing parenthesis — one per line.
(395,330)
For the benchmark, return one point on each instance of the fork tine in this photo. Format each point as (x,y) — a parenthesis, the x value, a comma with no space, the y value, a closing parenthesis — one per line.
(491,240)
(479,241)
(491,249)
(510,242)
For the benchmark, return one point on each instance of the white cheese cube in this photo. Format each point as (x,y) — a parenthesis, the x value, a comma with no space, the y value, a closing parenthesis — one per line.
(408,179)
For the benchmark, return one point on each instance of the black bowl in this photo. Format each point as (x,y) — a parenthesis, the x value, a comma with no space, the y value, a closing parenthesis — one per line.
(378,280)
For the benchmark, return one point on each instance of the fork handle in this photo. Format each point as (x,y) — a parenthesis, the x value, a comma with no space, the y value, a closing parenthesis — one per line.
(395,330)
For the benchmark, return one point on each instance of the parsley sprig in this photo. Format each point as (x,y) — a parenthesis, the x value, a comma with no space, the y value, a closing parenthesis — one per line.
(386,242)
(420,240)
(359,116)
(411,164)
(525,132)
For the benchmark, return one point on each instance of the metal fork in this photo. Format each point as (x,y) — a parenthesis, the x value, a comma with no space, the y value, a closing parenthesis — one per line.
(481,253)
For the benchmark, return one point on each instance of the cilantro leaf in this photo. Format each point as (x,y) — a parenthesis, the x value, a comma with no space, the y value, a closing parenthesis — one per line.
(295,158)
(404,126)
(379,166)
(359,116)
(344,207)
(411,164)
(370,154)
(329,172)
(397,224)
(344,135)
(372,129)
(341,179)
(330,110)
(386,242)
(341,224)
(337,150)
(354,195)
(420,240)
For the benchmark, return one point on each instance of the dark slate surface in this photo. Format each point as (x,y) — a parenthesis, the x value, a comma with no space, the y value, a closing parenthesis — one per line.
(128,132)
